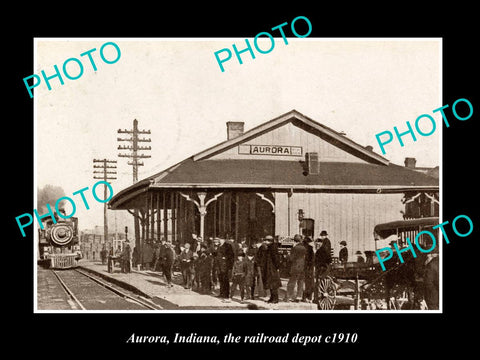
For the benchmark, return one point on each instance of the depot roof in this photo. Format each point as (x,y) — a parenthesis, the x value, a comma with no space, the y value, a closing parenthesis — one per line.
(278,173)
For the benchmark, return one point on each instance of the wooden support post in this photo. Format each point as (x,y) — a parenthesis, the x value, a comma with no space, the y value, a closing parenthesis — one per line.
(237,202)
(215,219)
(228,213)
(172,216)
(165,216)
(159,233)
(142,226)
(177,214)
(180,219)
(152,216)
(219,218)
(203,211)
(224,223)
(190,223)
(147,218)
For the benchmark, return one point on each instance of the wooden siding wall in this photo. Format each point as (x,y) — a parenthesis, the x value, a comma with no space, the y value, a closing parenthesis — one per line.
(291,135)
(349,217)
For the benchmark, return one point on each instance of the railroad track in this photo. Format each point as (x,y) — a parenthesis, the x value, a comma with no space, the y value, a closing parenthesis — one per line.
(87,292)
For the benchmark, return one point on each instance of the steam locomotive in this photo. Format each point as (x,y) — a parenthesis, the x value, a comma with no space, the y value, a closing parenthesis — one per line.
(58,245)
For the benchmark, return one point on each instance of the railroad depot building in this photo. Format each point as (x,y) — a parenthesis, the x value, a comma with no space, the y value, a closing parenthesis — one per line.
(289,175)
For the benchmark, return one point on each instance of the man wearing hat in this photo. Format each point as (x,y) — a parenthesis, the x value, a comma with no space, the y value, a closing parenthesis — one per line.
(323,256)
(325,242)
(343,254)
(167,258)
(269,268)
(297,269)
(126,254)
(224,263)
(323,234)
(259,261)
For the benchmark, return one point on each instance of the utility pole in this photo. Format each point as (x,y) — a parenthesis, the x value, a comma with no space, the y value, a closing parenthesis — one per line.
(134,155)
(106,175)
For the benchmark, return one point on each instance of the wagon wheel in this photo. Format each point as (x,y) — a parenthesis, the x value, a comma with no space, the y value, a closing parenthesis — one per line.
(327,291)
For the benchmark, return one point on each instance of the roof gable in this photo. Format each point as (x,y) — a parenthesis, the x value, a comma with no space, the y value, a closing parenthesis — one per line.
(353,151)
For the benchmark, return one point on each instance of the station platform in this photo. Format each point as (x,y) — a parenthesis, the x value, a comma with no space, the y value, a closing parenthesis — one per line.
(152,284)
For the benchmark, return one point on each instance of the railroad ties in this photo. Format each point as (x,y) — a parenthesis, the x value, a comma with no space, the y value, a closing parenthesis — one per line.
(86,292)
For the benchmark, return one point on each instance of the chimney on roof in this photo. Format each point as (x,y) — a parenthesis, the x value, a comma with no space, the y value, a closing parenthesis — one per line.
(312,166)
(234,129)
(369,147)
(410,162)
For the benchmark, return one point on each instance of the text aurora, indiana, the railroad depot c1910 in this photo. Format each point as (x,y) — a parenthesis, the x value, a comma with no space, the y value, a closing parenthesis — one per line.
(259,338)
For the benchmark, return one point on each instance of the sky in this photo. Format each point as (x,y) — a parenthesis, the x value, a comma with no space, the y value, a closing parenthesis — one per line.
(175,88)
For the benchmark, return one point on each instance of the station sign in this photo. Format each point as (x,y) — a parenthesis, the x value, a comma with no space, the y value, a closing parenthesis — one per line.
(283,150)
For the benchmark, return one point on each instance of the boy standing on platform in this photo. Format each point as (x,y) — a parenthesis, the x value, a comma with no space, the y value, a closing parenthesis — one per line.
(238,275)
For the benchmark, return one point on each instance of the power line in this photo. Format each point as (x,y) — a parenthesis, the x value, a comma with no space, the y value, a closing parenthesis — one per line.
(135,156)
(106,176)
(134,140)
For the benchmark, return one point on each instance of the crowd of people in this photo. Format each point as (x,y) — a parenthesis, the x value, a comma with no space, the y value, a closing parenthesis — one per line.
(120,255)
(253,269)
(230,266)
(307,265)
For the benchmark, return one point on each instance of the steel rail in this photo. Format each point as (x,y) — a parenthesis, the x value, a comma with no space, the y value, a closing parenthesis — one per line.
(142,302)
(68,291)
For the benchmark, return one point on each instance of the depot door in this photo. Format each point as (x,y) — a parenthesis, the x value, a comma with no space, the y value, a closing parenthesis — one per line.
(307,227)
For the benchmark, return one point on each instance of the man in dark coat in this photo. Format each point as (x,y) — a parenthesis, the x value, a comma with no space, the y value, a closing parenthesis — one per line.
(205,262)
(213,254)
(297,269)
(186,258)
(323,256)
(269,267)
(103,255)
(135,256)
(343,254)
(260,250)
(166,259)
(110,261)
(224,262)
(126,254)
(309,266)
